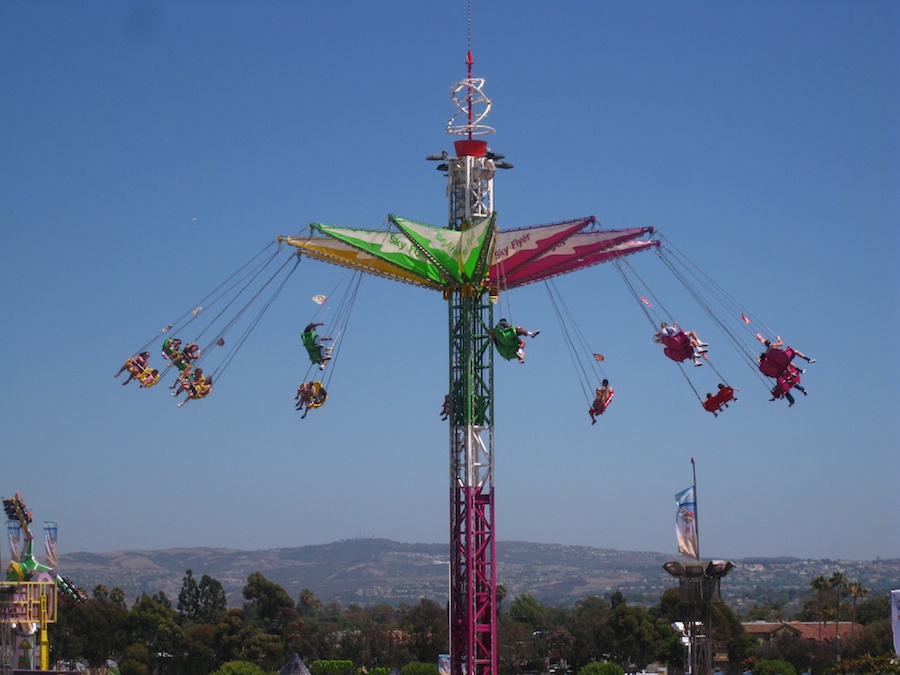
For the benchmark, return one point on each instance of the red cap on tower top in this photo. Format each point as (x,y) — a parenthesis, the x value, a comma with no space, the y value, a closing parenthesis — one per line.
(470,147)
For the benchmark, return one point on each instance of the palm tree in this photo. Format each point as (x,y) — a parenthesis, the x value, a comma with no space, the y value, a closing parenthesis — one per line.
(819,584)
(856,591)
(839,583)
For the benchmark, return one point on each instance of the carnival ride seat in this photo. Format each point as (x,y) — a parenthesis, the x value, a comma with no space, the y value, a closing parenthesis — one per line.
(678,347)
(715,403)
(318,395)
(788,379)
(144,374)
(599,410)
(506,341)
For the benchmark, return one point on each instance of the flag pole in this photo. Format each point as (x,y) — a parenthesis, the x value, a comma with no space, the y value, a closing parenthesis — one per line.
(696,507)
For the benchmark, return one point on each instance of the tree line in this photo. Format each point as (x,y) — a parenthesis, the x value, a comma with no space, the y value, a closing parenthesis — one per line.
(200,635)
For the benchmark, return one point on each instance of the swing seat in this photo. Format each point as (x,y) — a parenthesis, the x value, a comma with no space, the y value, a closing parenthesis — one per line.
(725,395)
(143,374)
(780,357)
(769,369)
(678,347)
(711,404)
(777,362)
(717,402)
(507,342)
(313,349)
(319,396)
(786,381)
(183,363)
(599,410)
(199,388)
(148,377)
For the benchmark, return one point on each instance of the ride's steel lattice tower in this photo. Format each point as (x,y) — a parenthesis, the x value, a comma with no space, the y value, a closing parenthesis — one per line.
(471,261)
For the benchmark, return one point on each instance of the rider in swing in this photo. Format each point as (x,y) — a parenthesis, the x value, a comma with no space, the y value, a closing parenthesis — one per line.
(314,347)
(604,395)
(505,335)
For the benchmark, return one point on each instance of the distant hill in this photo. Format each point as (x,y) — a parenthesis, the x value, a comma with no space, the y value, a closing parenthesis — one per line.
(370,571)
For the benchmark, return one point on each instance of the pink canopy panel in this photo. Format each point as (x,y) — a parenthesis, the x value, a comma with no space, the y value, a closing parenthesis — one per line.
(574,251)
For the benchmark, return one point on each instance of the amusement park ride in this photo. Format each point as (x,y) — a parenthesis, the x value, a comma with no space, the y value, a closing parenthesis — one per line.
(470,262)
(28,598)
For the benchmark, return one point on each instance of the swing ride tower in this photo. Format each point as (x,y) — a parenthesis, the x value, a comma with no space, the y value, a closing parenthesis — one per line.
(473,602)
(470,261)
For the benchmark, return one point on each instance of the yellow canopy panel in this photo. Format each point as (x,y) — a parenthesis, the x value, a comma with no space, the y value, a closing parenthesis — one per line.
(339,253)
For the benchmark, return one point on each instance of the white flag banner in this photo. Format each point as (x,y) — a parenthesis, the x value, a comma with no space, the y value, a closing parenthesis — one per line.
(895,619)
(686,523)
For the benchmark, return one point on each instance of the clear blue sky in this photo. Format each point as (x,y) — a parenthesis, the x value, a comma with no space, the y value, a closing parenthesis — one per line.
(151,148)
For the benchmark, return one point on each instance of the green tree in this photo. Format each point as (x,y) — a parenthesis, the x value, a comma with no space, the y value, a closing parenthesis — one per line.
(601,668)
(135,661)
(856,591)
(769,611)
(426,627)
(265,649)
(804,655)
(838,583)
(331,667)
(633,637)
(526,609)
(819,585)
(872,639)
(885,664)
(308,604)
(212,603)
(590,631)
(616,599)
(420,668)
(668,608)
(189,597)
(153,622)
(238,668)
(117,597)
(266,603)
(200,649)
(231,631)
(766,667)
(669,647)
(515,646)
(101,593)
(727,630)
(874,608)
(92,631)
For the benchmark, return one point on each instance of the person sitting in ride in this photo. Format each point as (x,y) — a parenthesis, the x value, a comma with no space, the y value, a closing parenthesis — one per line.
(510,341)
(198,390)
(310,395)
(680,345)
(789,379)
(148,377)
(601,401)
(190,353)
(171,349)
(137,367)
(774,360)
(304,396)
(188,381)
(715,403)
(314,347)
